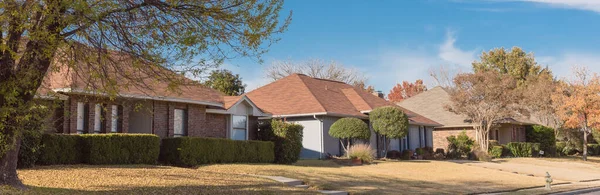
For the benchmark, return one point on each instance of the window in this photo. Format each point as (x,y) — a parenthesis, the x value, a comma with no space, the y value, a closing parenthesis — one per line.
(97,118)
(239,127)
(81,117)
(114,118)
(180,123)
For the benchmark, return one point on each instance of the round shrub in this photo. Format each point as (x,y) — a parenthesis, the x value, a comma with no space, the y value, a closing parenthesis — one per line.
(350,128)
(389,121)
(459,146)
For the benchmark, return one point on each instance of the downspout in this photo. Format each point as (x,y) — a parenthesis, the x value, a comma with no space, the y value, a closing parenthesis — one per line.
(321,134)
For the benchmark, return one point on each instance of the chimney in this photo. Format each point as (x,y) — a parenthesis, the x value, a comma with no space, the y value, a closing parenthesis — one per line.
(378,94)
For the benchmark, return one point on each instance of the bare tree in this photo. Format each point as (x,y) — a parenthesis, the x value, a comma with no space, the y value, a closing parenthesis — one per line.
(443,76)
(316,68)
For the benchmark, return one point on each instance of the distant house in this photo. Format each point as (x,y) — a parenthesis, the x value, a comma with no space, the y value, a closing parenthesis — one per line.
(192,110)
(432,104)
(318,103)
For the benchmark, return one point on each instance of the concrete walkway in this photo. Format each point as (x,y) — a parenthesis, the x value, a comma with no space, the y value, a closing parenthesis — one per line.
(299,184)
(561,171)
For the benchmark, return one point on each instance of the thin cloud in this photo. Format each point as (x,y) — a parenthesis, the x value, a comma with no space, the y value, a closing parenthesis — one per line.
(589,5)
(453,55)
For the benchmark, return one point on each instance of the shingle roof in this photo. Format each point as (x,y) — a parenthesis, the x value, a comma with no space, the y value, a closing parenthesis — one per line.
(432,104)
(299,94)
(130,82)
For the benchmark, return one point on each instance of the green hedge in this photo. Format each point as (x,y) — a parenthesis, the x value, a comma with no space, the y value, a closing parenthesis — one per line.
(60,149)
(288,141)
(120,148)
(99,149)
(192,151)
(29,151)
(543,135)
(523,149)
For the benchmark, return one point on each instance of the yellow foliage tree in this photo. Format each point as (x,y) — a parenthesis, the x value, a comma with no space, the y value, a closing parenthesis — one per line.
(578,103)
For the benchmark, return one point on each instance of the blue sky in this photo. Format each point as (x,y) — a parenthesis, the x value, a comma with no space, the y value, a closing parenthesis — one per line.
(395,40)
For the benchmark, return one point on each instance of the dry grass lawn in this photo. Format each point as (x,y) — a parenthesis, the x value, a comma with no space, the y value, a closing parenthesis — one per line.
(142,179)
(385,177)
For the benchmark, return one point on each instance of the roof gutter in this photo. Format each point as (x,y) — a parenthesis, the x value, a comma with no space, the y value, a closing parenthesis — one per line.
(316,114)
(159,98)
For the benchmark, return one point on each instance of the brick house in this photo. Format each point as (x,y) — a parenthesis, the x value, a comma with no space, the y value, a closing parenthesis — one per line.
(317,103)
(190,110)
(432,104)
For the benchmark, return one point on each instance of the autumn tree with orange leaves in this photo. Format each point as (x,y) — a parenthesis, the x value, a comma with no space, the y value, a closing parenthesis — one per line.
(406,90)
(578,103)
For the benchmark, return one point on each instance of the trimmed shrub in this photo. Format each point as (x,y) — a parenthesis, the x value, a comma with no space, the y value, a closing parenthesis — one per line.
(543,135)
(496,151)
(192,151)
(120,148)
(288,141)
(523,149)
(440,151)
(594,149)
(480,155)
(60,149)
(406,154)
(459,146)
(362,151)
(394,154)
(29,152)
(348,129)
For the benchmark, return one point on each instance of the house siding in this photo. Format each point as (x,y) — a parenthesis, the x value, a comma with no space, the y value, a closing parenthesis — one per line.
(311,137)
(331,145)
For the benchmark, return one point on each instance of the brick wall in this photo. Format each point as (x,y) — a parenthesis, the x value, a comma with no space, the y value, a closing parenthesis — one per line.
(440,135)
(215,126)
(160,125)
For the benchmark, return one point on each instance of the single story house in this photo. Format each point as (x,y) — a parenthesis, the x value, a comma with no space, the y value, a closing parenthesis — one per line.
(317,103)
(432,104)
(191,110)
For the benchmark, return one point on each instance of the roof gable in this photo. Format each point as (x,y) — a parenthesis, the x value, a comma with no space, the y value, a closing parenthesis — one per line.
(432,104)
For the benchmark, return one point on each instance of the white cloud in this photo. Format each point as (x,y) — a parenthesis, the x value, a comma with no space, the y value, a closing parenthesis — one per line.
(451,54)
(590,5)
(561,64)
(411,63)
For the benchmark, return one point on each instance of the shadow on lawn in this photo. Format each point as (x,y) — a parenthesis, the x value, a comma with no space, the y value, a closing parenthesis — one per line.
(86,166)
(271,188)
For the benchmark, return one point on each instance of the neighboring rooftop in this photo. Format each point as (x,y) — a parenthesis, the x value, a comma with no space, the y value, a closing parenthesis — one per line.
(433,102)
(298,94)
(141,81)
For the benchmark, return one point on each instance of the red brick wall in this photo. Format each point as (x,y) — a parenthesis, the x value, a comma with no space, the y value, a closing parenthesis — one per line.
(160,125)
(252,127)
(215,126)
(440,135)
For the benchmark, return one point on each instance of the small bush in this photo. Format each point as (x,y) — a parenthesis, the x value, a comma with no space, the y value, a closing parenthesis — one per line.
(362,151)
(60,149)
(406,154)
(523,149)
(439,151)
(543,135)
(120,148)
(288,143)
(493,143)
(560,147)
(394,154)
(480,155)
(29,152)
(594,149)
(192,151)
(426,153)
(496,151)
(459,146)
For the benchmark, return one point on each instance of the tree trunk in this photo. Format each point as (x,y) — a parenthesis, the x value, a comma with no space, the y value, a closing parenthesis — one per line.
(8,166)
(585,142)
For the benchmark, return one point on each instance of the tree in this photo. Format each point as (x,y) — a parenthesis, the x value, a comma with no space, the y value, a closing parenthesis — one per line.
(516,63)
(94,36)
(578,103)
(484,97)
(316,68)
(349,128)
(362,85)
(406,90)
(226,82)
(390,122)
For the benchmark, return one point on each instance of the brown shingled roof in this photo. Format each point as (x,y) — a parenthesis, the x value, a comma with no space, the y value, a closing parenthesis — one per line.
(299,94)
(130,81)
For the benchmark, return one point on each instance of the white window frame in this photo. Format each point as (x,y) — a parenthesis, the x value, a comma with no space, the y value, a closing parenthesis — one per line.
(80,117)
(97,118)
(114,120)
(181,124)
(233,128)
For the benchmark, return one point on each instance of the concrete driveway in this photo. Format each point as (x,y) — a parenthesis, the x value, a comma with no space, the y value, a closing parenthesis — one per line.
(571,171)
